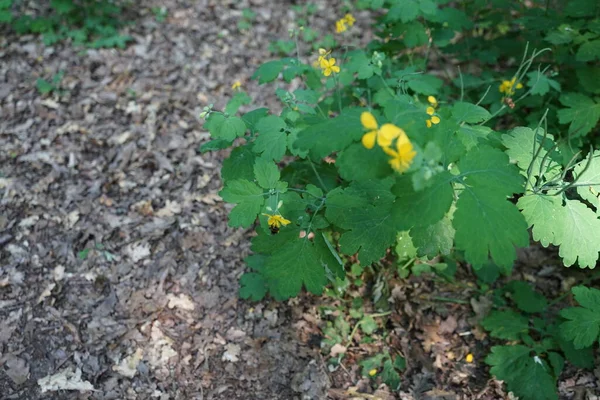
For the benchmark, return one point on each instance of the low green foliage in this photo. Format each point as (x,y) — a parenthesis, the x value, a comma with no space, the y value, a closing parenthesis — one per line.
(541,340)
(93,23)
(46,87)
(374,150)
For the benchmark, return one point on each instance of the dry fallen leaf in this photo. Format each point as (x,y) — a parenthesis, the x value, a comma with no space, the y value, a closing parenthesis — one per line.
(232,351)
(182,301)
(171,208)
(128,366)
(65,380)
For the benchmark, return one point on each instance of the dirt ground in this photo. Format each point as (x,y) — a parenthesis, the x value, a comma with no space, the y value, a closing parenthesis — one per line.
(118,272)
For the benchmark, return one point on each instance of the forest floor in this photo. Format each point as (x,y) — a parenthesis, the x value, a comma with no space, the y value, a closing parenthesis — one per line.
(118,272)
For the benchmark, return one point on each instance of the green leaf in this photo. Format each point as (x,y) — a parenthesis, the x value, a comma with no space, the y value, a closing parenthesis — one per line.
(370,233)
(222,127)
(331,135)
(577,235)
(297,263)
(43,86)
(526,298)
(520,147)
(425,84)
(238,99)
(359,63)
(249,199)
(253,286)
(422,208)
(529,377)
(589,51)
(581,8)
(404,10)
(544,213)
(239,165)
(541,84)
(507,325)
(583,113)
(390,376)
(268,71)
(581,358)
(472,136)
(216,144)
(271,142)
(588,181)
(435,239)
(587,76)
(359,164)
(251,118)
(415,35)
(486,222)
(266,173)
(364,210)
(583,323)
(470,113)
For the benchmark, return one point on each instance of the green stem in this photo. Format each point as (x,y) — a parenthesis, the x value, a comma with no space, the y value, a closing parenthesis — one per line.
(312,165)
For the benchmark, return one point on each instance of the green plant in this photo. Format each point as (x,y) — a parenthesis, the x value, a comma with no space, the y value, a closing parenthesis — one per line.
(540,340)
(248,16)
(376,151)
(160,13)
(46,87)
(93,23)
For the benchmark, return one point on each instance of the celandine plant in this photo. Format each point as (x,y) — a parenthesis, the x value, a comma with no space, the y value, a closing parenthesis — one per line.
(371,146)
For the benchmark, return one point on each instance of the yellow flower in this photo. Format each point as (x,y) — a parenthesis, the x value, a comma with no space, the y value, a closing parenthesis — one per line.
(384,136)
(509,87)
(432,100)
(404,154)
(469,358)
(340,26)
(236,85)
(373,372)
(434,120)
(349,19)
(276,220)
(328,66)
(322,54)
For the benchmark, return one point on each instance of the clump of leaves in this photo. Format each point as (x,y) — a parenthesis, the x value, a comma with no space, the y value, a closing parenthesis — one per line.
(540,341)
(93,23)
(46,87)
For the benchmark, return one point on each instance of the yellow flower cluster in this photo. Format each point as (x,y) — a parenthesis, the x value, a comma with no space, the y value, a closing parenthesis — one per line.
(392,140)
(434,120)
(508,87)
(341,25)
(327,65)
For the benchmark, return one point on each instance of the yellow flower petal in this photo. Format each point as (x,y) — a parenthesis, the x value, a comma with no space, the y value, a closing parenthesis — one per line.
(327,71)
(340,26)
(349,19)
(331,62)
(430,110)
(368,139)
(323,63)
(432,100)
(469,358)
(236,85)
(428,122)
(519,85)
(368,120)
(388,133)
(335,69)
(435,119)
(373,372)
